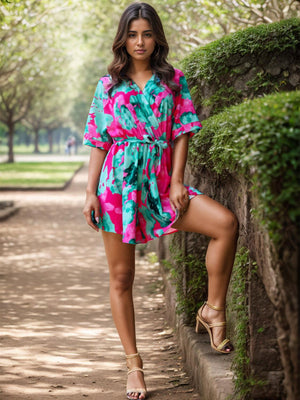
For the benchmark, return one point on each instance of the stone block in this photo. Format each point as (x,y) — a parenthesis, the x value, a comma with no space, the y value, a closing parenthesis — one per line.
(294,79)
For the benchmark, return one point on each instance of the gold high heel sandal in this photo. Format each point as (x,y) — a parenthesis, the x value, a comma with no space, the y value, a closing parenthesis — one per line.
(140,391)
(200,324)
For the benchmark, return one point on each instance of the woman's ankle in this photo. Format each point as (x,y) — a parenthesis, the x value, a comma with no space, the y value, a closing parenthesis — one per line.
(134,360)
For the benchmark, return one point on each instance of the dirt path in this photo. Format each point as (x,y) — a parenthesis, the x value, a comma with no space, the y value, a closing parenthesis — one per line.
(58,340)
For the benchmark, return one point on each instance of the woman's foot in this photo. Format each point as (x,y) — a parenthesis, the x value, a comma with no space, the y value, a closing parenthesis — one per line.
(212,316)
(136,388)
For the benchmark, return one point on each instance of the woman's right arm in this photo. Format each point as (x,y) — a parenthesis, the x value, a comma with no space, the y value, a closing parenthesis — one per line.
(97,158)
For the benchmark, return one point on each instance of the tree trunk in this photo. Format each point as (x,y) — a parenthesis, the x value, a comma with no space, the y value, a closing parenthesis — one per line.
(36,141)
(58,139)
(50,141)
(11,131)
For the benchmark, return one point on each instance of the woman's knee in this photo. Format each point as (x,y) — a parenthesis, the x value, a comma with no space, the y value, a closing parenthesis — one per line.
(121,279)
(230,223)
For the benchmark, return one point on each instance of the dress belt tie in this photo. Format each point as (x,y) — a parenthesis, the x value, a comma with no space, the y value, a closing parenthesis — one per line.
(162,144)
(158,143)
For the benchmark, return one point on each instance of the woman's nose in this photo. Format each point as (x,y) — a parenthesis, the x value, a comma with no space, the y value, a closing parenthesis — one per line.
(140,40)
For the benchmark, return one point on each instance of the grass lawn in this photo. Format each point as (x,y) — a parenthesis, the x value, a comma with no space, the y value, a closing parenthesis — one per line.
(44,149)
(37,174)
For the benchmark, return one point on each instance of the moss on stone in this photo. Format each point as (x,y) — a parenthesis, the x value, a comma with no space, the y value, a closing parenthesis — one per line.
(189,275)
(243,65)
(237,309)
(258,139)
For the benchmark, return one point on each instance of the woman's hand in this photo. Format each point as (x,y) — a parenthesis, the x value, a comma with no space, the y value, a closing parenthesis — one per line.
(92,204)
(179,197)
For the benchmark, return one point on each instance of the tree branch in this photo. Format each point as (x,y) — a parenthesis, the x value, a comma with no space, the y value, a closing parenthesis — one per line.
(243,21)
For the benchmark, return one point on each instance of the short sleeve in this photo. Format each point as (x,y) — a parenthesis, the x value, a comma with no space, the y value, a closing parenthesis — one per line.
(184,118)
(95,133)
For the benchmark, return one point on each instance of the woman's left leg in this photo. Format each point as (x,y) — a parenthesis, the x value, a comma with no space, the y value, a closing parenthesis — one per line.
(208,217)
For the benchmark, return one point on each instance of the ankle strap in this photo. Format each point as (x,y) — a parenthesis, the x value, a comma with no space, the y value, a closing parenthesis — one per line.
(214,307)
(134,370)
(132,355)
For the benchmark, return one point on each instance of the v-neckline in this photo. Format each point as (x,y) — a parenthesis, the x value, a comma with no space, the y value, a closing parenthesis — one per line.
(142,90)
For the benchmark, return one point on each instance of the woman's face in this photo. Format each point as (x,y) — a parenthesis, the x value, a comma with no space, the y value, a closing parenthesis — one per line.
(140,41)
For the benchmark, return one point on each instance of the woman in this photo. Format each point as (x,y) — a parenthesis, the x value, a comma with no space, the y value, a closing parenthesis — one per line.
(139,125)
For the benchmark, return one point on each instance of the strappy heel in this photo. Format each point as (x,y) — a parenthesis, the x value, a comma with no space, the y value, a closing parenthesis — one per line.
(202,325)
(140,391)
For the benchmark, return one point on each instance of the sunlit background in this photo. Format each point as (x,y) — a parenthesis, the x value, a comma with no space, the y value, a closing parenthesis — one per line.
(53,52)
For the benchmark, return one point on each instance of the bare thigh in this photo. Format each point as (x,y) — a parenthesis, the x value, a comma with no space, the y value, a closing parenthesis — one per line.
(118,254)
(206,216)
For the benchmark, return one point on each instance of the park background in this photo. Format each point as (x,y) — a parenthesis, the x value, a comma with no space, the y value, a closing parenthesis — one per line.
(241,59)
(53,53)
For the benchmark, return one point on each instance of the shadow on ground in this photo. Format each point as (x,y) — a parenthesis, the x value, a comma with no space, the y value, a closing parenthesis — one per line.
(58,340)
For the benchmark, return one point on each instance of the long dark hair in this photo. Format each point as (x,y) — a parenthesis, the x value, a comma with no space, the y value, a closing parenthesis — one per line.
(119,67)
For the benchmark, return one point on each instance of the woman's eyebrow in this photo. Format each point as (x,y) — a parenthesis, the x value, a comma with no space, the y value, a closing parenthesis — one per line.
(148,30)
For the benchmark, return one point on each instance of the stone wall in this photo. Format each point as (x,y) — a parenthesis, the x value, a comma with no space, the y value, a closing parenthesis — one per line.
(281,70)
(234,193)
(272,292)
(246,64)
(272,295)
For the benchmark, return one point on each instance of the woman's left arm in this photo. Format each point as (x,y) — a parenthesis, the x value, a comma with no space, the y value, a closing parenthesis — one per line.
(178,192)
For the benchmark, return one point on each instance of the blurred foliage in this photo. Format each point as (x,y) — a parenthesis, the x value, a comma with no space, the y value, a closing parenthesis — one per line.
(59,50)
(34,49)
(259,139)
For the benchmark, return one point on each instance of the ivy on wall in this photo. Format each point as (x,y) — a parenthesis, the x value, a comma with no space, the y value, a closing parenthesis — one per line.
(259,139)
(189,276)
(212,70)
(238,306)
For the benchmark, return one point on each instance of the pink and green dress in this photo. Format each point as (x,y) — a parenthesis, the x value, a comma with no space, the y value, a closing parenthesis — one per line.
(137,128)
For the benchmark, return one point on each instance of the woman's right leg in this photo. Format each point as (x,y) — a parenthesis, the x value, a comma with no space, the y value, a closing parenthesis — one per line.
(121,262)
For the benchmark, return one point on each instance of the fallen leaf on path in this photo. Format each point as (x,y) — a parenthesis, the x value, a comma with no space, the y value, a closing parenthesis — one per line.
(58,387)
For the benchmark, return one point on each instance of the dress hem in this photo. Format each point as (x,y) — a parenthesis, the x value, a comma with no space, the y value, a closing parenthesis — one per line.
(169,229)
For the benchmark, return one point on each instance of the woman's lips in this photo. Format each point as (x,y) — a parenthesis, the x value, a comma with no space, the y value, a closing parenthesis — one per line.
(140,51)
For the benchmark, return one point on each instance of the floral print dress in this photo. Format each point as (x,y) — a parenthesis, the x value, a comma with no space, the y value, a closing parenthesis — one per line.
(138,128)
